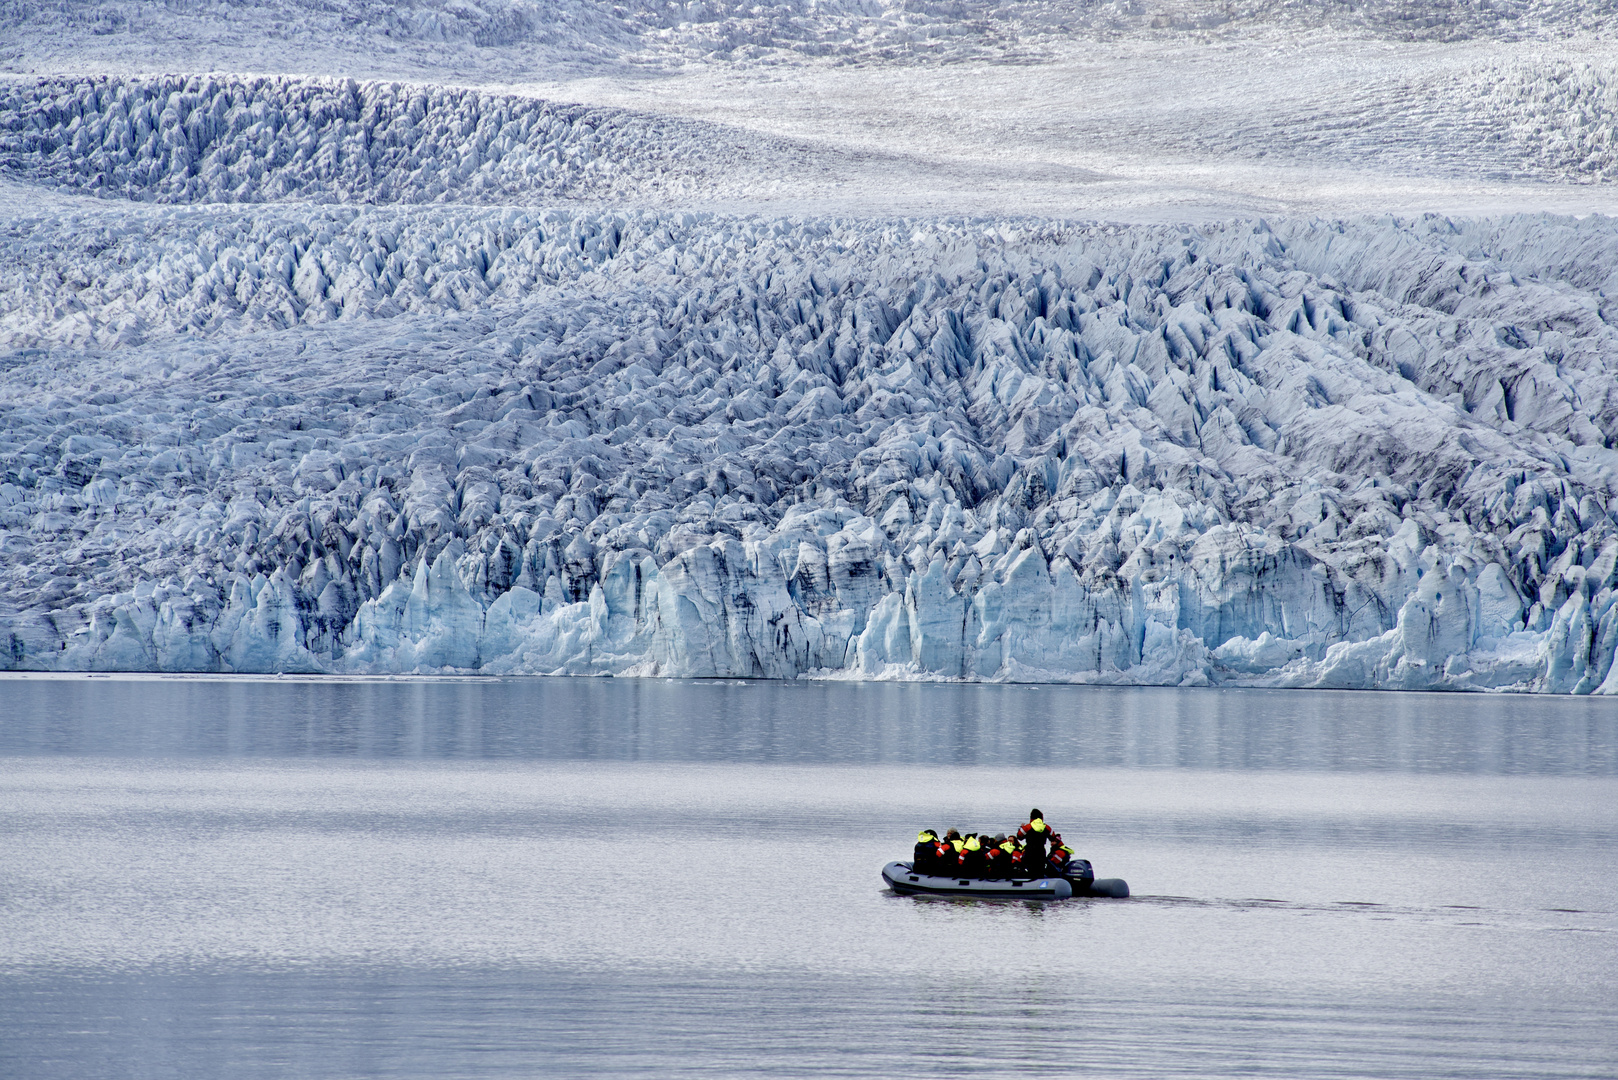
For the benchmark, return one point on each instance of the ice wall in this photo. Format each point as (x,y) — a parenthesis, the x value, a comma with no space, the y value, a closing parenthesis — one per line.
(368,440)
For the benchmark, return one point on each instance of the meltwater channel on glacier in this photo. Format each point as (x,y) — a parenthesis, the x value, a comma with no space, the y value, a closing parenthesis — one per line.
(573,877)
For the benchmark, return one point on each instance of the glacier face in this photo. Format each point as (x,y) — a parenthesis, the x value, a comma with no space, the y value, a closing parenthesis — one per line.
(395,438)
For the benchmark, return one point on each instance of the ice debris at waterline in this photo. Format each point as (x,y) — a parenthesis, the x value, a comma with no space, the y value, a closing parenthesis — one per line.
(285,438)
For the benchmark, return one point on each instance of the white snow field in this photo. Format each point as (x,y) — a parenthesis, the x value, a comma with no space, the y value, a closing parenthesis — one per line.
(1128,110)
(527,338)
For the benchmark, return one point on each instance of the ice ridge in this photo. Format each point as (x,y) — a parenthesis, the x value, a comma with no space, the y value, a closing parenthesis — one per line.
(229,139)
(384,439)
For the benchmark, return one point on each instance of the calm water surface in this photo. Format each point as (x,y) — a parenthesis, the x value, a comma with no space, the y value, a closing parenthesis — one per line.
(493,878)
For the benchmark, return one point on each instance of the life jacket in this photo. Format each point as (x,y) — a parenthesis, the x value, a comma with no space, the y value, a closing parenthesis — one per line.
(1061,855)
(973,862)
(926,854)
(1036,827)
(995,862)
(1035,835)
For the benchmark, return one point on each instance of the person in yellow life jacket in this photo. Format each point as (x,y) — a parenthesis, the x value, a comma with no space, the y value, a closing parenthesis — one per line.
(1010,855)
(952,852)
(926,855)
(973,862)
(1061,856)
(1036,837)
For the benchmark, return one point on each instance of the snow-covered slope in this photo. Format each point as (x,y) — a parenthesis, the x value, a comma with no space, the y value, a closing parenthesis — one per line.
(1175,109)
(397,439)
(499,38)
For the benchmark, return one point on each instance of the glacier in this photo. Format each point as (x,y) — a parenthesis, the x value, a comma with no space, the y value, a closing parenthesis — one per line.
(233,139)
(323,376)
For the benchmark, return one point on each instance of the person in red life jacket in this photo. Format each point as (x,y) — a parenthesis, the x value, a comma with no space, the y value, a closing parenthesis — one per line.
(1061,856)
(1053,845)
(973,863)
(1010,856)
(997,864)
(1035,836)
(926,854)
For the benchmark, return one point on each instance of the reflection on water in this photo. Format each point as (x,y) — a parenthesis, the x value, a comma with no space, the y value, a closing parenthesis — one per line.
(515,1024)
(870,723)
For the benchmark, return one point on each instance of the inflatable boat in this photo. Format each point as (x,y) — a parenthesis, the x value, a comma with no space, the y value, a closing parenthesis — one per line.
(1080,880)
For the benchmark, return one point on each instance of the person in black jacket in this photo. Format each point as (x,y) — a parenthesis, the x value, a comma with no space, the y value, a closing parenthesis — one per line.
(926,856)
(997,858)
(974,861)
(1035,836)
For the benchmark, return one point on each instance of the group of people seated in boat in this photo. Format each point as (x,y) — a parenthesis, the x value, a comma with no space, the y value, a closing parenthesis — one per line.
(1034,850)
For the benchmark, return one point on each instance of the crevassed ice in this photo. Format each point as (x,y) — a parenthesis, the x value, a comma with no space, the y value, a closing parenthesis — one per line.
(234,139)
(287,438)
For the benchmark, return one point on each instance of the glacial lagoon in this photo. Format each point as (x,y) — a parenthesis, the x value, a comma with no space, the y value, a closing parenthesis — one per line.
(534,877)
